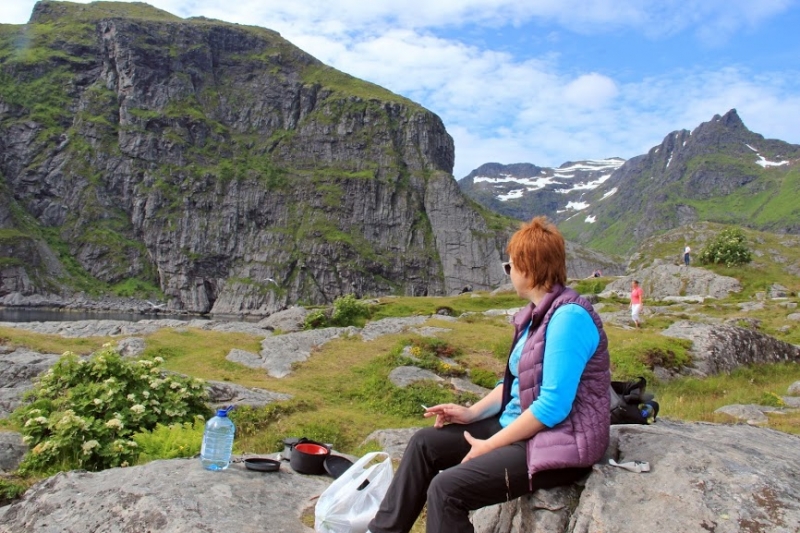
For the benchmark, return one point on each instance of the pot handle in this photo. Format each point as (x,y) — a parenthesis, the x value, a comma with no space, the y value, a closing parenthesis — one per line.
(309,441)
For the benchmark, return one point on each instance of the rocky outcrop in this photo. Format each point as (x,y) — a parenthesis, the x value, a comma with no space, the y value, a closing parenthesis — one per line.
(17,370)
(12,450)
(707,471)
(115,328)
(175,496)
(721,348)
(208,158)
(661,282)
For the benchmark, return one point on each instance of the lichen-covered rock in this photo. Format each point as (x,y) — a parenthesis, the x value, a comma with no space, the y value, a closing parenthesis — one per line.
(12,450)
(663,281)
(17,371)
(722,348)
(703,477)
(174,496)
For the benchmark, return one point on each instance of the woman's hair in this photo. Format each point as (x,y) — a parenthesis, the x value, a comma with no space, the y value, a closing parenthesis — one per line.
(538,252)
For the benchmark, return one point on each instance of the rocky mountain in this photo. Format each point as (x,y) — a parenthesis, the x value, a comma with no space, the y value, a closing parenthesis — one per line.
(719,172)
(524,190)
(201,160)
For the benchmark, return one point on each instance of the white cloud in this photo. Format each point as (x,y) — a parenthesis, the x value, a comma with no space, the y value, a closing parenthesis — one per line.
(590,91)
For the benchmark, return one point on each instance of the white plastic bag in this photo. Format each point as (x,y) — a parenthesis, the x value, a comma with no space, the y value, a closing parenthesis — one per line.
(352,500)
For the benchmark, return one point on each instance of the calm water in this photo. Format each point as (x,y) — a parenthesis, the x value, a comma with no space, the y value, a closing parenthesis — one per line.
(11,314)
(14,314)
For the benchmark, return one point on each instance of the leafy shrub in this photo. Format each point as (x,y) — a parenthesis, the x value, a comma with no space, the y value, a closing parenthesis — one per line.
(728,248)
(347,311)
(771,399)
(317,318)
(10,490)
(588,286)
(84,413)
(170,442)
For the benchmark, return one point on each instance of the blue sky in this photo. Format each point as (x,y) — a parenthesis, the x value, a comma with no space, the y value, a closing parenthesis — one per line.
(548,81)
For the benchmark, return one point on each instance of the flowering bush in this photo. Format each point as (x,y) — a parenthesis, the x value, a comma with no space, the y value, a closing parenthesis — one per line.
(728,248)
(83,413)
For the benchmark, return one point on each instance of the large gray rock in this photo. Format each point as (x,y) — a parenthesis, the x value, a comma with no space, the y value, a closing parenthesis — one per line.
(172,496)
(661,281)
(221,393)
(12,450)
(280,352)
(403,376)
(721,478)
(17,370)
(704,477)
(721,348)
(288,320)
(542,511)
(388,326)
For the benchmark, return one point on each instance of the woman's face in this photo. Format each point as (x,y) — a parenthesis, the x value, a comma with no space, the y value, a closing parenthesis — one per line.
(521,284)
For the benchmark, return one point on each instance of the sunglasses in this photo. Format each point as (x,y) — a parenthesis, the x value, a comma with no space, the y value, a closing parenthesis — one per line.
(507,268)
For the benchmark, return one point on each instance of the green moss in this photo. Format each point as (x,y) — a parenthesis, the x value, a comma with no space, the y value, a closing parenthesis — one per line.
(136,287)
(8,235)
(340,82)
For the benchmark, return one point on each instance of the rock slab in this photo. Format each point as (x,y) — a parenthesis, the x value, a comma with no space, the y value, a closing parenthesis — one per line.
(170,496)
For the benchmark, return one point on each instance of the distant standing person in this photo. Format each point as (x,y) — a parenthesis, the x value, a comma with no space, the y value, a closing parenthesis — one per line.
(686,255)
(636,301)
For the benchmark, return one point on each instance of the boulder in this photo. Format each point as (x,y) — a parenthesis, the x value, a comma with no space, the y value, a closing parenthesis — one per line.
(17,370)
(703,477)
(288,320)
(706,471)
(169,496)
(722,348)
(12,450)
(403,376)
(723,478)
(130,347)
(221,394)
(662,281)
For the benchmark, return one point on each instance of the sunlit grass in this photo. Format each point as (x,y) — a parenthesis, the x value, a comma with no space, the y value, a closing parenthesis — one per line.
(55,344)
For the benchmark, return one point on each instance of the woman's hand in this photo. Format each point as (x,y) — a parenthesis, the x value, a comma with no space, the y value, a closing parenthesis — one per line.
(479,447)
(449,413)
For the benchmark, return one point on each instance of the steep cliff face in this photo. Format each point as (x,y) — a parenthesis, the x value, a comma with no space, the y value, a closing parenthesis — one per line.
(206,157)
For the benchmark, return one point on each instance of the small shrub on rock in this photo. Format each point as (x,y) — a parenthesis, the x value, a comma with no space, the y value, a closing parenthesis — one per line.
(348,311)
(82,414)
(317,318)
(728,248)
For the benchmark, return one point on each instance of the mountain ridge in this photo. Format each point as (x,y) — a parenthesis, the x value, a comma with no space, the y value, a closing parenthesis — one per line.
(719,172)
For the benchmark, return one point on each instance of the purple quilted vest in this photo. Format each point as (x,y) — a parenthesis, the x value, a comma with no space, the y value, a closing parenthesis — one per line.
(582,438)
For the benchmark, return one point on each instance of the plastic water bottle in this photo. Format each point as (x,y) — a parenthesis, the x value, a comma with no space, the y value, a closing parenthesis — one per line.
(215,453)
(647,412)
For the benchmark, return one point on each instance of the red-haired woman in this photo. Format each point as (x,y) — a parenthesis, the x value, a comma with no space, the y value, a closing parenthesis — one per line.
(545,425)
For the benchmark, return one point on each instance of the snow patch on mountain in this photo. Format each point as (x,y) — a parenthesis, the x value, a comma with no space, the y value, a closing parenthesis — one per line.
(609,193)
(763,162)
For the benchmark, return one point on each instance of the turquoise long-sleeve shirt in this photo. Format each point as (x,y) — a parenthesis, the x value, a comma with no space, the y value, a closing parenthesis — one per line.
(571,339)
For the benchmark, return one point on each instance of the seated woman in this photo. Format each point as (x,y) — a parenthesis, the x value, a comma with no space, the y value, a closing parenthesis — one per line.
(544,426)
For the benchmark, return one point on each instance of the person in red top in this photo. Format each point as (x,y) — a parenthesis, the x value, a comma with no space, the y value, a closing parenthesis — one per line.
(636,301)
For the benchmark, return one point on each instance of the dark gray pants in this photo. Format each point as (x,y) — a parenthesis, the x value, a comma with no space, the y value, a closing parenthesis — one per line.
(431,470)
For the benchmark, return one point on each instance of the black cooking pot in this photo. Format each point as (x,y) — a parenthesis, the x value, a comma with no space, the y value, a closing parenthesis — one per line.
(308,457)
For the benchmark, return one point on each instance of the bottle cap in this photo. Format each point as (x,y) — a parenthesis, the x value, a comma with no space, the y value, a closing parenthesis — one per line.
(224,411)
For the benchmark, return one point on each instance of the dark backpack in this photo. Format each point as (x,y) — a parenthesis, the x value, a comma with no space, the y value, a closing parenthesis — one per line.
(630,404)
